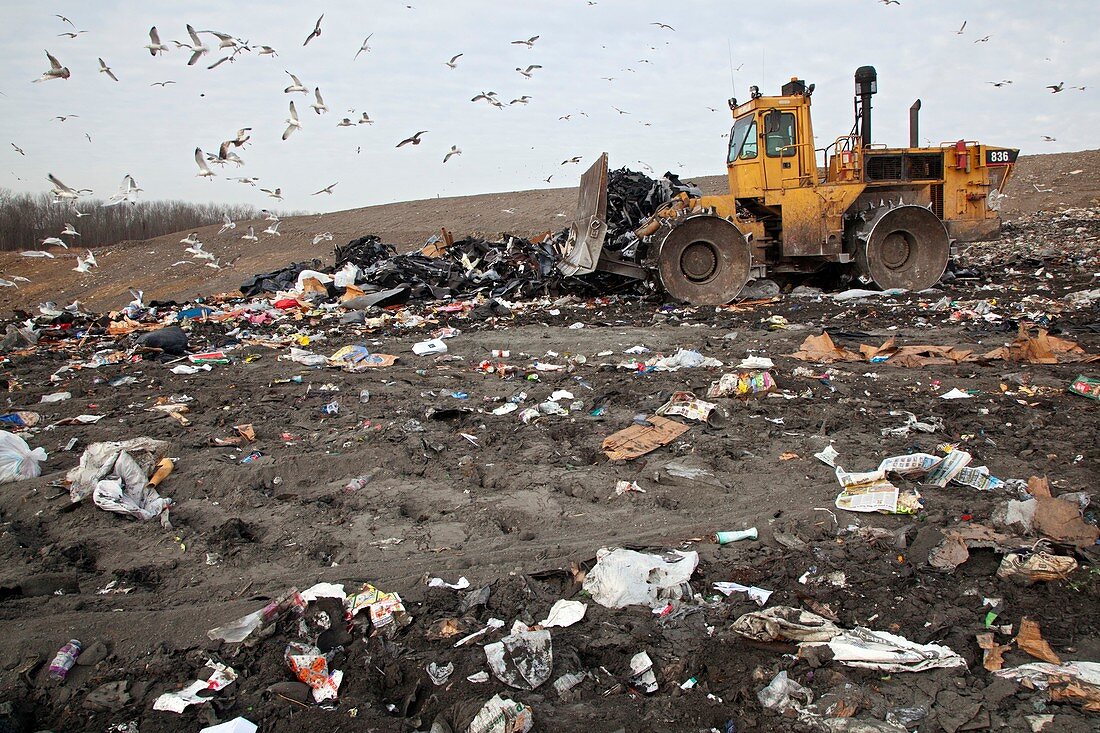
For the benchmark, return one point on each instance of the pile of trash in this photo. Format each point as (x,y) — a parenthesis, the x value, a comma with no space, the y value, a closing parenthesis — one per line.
(512,267)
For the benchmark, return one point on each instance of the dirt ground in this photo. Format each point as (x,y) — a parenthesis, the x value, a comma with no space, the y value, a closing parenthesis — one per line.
(162,269)
(451,489)
(455,490)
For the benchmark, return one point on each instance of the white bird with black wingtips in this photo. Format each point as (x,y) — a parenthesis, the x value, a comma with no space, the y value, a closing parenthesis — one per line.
(56,70)
(105,69)
(319,106)
(292,121)
(251,236)
(297,86)
(198,49)
(227,224)
(191,239)
(452,63)
(154,45)
(204,169)
(273,228)
(455,150)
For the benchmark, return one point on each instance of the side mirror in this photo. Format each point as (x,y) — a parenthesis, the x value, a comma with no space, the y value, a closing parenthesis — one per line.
(771,121)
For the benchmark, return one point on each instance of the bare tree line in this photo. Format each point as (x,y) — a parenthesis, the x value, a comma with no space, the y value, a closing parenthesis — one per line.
(26,219)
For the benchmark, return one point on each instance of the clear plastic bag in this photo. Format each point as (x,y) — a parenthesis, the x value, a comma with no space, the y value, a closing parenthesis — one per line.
(17,460)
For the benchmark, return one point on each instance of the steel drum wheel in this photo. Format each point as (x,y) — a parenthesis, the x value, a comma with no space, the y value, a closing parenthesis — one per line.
(704,261)
(905,247)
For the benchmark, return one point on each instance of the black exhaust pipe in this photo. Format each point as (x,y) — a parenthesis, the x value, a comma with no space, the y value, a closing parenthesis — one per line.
(866,85)
(914,114)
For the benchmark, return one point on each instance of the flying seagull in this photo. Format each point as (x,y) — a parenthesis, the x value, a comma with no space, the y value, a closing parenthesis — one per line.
(191,239)
(415,139)
(251,236)
(127,191)
(1055,88)
(522,100)
(1001,83)
(82,265)
(49,241)
(204,169)
(297,86)
(527,72)
(983,39)
(241,138)
(363,47)
(319,106)
(37,253)
(451,64)
(71,34)
(962,27)
(292,121)
(322,237)
(316,30)
(365,120)
(574,159)
(162,83)
(227,224)
(69,231)
(452,152)
(327,189)
(267,51)
(345,123)
(154,45)
(273,228)
(666,26)
(56,70)
(65,20)
(276,194)
(197,47)
(61,191)
(105,69)
(530,42)
(18,149)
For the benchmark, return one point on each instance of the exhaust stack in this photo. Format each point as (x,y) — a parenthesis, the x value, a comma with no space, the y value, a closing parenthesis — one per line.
(914,115)
(866,85)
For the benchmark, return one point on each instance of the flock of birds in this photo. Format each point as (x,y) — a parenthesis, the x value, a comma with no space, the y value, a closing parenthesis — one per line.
(228,47)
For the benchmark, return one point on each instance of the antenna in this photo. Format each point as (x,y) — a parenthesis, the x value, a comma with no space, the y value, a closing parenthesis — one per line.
(764,67)
(733,86)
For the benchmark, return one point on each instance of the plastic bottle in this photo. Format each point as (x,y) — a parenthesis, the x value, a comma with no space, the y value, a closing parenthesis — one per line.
(64,660)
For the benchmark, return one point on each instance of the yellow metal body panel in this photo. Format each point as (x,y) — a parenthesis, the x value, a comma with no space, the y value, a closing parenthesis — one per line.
(777,176)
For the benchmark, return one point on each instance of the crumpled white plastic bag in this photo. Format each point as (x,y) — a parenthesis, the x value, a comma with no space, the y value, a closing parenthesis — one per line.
(626,578)
(17,460)
(117,474)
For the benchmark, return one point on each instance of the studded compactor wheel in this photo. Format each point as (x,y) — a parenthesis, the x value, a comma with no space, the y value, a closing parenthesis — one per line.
(704,261)
(903,246)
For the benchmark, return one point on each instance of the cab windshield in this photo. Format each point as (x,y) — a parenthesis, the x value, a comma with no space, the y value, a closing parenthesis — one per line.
(743,139)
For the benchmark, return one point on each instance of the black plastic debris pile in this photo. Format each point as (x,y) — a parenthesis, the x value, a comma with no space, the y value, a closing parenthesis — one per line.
(633,197)
(514,268)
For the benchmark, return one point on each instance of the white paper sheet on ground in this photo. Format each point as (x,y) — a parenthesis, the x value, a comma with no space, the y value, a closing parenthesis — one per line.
(501,715)
(625,577)
(955,394)
(324,590)
(881,650)
(641,672)
(564,613)
(237,725)
(756,362)
(758,595)
(1041,673)
(524,659)
(461,584)
(188,369)
(828,456)
(177,702)
(493,623)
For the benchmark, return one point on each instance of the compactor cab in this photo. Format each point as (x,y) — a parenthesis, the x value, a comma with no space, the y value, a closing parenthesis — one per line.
(888,215)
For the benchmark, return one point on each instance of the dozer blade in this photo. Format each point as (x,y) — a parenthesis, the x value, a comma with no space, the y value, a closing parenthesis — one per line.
(589,228)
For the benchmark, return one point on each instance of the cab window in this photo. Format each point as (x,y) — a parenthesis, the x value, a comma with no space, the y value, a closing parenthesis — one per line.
(780,143)
(743,139)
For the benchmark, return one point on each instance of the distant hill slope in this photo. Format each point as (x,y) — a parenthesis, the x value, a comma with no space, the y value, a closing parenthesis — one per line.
(147,264)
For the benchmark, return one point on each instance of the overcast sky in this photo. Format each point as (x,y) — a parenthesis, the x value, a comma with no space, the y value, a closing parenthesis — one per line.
(664,79)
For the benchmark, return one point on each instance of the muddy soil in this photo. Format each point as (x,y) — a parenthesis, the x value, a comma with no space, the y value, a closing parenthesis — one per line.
(518,508)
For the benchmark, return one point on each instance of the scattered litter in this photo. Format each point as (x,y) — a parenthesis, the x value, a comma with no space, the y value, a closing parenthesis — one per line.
(624,577)
(501,715)
(759,596)
(17,461)
(524,659)
(221,676)
(564,613)
(637,440)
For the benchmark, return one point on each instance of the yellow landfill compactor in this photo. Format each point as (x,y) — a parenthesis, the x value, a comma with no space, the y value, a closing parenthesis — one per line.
(890,216)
